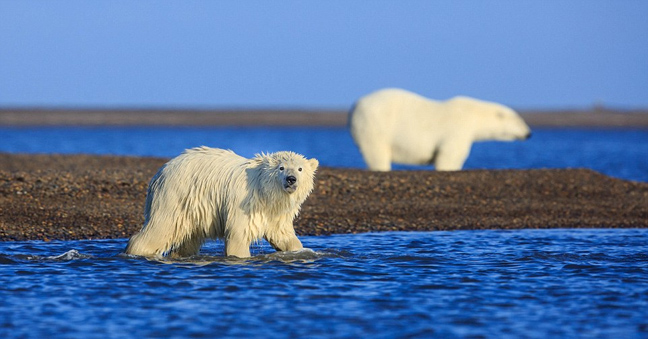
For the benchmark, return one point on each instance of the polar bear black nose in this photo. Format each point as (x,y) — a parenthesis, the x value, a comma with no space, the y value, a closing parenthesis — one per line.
(291,180)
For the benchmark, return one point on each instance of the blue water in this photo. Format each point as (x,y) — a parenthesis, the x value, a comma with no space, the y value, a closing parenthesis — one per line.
(493,284)
(618,153)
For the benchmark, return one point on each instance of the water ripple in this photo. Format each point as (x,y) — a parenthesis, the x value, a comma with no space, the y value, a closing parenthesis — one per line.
(558,283)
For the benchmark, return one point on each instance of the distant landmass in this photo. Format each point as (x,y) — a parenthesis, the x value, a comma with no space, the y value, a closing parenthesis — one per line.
(596,117)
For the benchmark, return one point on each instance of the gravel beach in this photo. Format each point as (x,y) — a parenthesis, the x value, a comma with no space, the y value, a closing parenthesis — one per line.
(65,197)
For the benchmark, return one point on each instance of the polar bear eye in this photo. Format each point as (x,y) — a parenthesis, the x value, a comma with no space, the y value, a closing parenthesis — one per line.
(281,168)
(299,169)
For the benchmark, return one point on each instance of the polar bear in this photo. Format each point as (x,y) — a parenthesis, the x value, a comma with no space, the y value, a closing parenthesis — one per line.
(395,125)
(209,193)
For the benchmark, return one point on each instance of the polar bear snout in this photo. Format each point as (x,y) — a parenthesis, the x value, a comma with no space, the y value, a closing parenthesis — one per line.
(290,184)
(291,180)
(523,132)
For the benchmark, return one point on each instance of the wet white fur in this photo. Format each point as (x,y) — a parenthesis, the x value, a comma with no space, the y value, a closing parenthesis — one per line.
(394,125)
(209,193)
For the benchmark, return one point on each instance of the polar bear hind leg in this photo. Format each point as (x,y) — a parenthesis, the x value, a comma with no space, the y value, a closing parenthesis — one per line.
(237,248)
(377,155)
(189,247)
(148,244)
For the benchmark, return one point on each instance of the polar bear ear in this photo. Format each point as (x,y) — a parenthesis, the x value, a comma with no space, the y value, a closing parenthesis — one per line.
(313,163)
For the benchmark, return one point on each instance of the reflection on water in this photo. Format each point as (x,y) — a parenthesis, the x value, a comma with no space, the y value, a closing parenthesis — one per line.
(258,257)
(549,283)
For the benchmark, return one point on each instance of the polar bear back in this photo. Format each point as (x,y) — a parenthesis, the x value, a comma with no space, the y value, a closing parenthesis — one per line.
(201,179)
(401,119)
(395,125)
(397,112)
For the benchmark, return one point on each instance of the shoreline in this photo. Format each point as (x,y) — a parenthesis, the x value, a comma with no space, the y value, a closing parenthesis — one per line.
(592,118)
(72,197)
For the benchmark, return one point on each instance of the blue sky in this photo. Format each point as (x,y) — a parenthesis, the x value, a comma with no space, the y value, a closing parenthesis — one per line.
(321,54)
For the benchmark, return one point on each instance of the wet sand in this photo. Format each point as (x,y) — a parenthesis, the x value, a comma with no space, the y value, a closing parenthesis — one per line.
(48,197)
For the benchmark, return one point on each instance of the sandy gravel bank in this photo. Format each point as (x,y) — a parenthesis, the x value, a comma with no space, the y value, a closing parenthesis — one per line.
(94,197)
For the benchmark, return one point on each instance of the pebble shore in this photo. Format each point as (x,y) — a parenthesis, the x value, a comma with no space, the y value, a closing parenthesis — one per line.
(66,197)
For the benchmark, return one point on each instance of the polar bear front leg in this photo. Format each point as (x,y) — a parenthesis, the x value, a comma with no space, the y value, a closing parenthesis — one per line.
(452,154)
(283,238)
(286,243)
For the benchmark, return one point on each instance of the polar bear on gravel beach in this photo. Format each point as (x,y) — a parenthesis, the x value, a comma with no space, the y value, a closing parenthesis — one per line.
(394,125)
(209,193)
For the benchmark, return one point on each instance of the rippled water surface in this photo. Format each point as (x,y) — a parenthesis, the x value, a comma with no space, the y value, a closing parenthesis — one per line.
(496,284)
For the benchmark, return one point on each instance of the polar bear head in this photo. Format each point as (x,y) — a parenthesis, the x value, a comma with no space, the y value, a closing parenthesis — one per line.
(289,172)
(493,121)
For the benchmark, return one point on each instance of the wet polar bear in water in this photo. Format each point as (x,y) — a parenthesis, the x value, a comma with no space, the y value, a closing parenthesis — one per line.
(394,125)
(209,193)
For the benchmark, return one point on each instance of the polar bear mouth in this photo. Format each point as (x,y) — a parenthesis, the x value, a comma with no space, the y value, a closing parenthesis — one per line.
(290,188)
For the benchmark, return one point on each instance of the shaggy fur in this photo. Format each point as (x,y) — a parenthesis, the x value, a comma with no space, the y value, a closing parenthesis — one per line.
(208,193)
(394,125)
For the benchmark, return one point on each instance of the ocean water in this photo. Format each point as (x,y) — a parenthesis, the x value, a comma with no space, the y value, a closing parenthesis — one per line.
(462,284)
(618,153)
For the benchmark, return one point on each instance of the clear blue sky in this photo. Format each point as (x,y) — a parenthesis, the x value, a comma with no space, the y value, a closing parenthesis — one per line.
(321,54)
